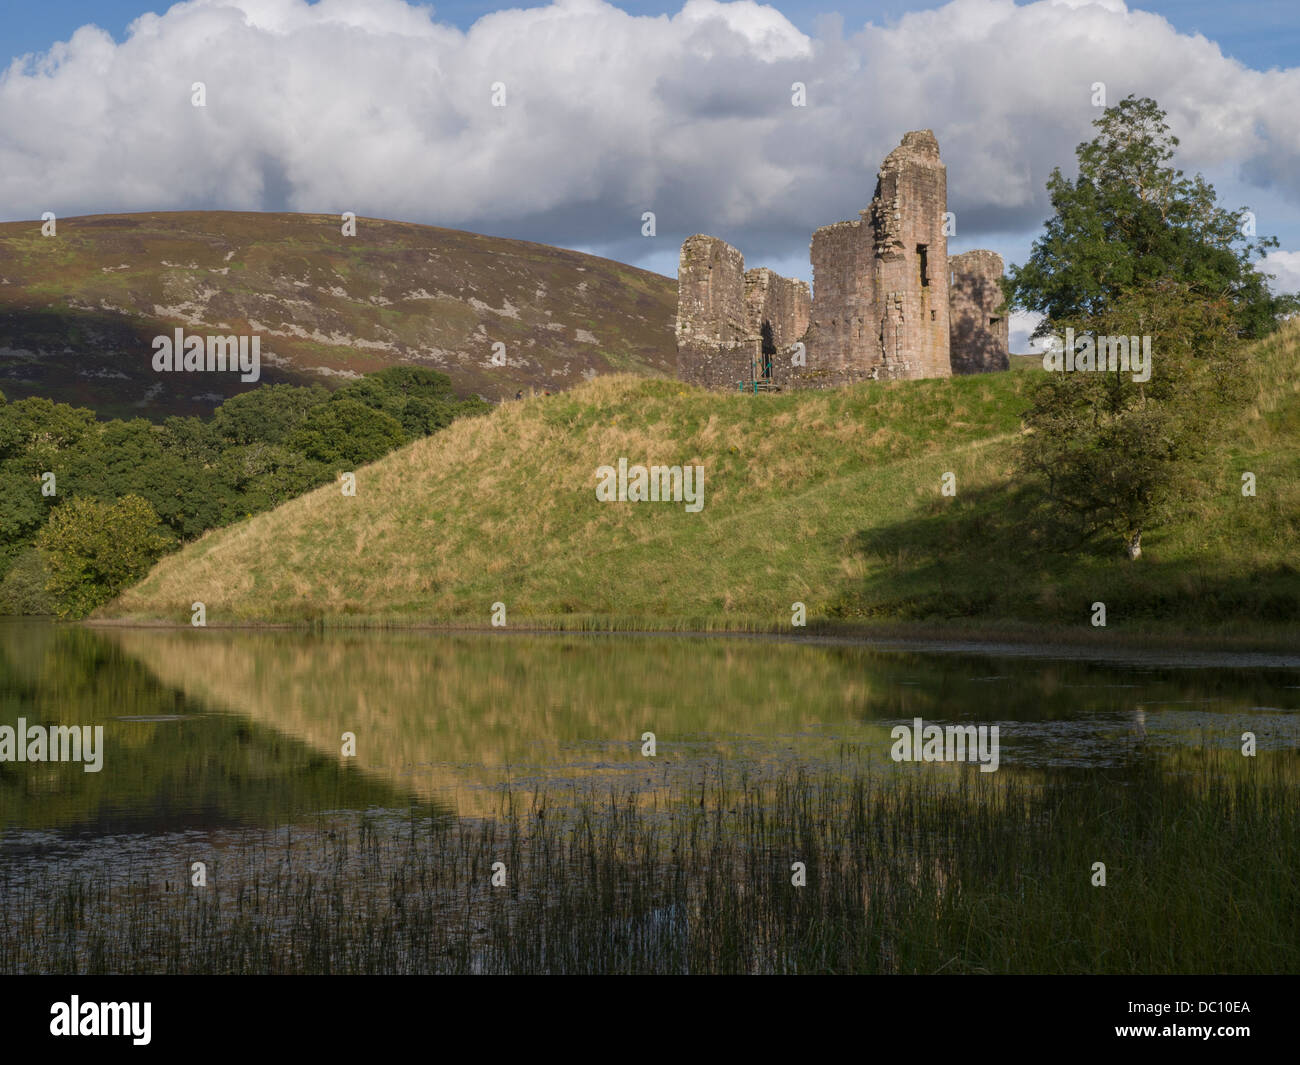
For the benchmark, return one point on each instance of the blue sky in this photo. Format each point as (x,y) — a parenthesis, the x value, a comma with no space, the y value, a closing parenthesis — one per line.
(367,105)
(1261,34)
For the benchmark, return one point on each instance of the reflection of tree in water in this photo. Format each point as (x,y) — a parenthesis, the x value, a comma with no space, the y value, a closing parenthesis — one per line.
(187,768)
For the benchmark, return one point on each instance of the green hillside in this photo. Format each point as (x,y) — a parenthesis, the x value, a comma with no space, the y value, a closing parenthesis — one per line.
(830,499)
(78,310)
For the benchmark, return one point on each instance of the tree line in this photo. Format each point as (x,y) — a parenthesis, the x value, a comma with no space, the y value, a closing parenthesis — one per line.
(88,506)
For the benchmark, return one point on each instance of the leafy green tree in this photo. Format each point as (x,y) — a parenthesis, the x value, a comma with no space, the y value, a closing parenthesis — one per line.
(23,590)
(422,400)
(261,449)
(261,476)
(191,440)
(268,413)
(37,436)
(1136,249)
(164,465)
(345,433)
(189,499)
(1117,456)
(22,511)
(405,381)
(1131,219)
(93,550)
(40,432)
(112,463)
(423,417)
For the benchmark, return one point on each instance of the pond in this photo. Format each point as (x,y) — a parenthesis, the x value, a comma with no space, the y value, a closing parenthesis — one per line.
(259,754)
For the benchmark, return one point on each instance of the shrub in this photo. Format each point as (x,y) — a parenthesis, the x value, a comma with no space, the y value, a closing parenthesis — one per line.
(93,550)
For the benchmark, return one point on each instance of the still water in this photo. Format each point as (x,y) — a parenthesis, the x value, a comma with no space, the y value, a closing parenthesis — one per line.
(420,802)
(206,732)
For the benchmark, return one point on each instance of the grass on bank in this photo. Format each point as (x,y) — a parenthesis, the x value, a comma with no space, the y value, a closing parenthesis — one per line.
(831,499)
(981,874)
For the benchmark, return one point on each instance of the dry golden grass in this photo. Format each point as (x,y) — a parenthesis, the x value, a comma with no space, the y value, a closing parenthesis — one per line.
(831,499)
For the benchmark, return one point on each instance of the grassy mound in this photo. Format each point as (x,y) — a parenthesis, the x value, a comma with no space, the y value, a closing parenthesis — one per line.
(830,499)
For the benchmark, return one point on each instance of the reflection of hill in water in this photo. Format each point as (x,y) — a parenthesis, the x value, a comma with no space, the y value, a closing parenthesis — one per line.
(446,716)
(439,714)
(458,713)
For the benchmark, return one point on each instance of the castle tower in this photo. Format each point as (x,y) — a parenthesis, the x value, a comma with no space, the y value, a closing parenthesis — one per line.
(734,325)
(911,261)
(843,307)
(880,284)
(980,335)
(712,324)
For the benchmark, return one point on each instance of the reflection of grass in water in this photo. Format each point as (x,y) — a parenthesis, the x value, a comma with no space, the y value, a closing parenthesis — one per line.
(921,876)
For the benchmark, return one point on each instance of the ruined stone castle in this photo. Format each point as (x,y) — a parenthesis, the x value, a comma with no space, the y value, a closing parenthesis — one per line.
(887,301)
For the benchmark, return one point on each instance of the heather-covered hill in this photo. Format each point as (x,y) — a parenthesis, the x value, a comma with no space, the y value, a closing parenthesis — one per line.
(78,310)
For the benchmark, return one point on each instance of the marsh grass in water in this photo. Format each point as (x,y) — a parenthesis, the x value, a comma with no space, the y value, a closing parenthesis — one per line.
(934,873)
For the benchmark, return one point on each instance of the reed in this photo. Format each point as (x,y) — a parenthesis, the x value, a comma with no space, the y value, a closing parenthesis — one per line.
(906,873)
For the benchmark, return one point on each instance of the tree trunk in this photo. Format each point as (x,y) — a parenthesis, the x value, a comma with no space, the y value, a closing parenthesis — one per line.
(1135,545)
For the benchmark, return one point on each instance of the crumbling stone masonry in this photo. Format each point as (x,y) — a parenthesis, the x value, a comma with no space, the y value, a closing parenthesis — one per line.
(979,334)
(734,324)
(886,303)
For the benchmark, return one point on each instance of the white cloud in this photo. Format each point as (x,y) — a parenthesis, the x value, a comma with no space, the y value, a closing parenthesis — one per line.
(1285,266)
(372,106)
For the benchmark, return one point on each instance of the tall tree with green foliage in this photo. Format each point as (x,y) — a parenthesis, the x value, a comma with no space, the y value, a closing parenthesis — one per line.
(422,400)
(266,414)
(1136,250)
(260,449)
(1130,219)
(37,433)
(37,437)
(345,433)
(1114,455)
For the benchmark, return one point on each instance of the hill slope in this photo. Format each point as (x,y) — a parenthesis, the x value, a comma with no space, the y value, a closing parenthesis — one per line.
(78,311)
(831,499)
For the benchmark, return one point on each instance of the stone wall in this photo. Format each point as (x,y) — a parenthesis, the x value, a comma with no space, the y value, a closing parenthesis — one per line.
(778,313)
(980,335)
(711,313)
(781,302)
(734,325)
(842,302)
(710,291)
